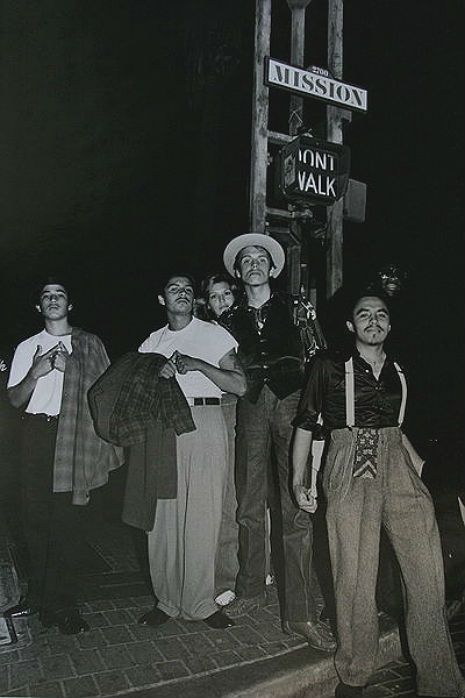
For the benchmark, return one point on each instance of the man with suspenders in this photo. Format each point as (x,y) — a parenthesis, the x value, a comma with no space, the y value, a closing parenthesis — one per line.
(370,479)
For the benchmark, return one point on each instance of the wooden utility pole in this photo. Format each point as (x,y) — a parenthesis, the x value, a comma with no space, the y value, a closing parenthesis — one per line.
(286,222)
(296,112)
(334,255)
(297,8)
(259,160)
(260,213)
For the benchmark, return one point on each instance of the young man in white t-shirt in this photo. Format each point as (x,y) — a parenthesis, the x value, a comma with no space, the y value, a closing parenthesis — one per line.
(62,458)
(182,545)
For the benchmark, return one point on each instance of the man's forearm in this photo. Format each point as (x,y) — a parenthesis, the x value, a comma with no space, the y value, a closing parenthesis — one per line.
(20,394)
(227,380)
(300,450)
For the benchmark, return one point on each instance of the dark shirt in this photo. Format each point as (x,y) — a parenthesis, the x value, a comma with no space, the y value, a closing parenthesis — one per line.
(377,402)
(270,349)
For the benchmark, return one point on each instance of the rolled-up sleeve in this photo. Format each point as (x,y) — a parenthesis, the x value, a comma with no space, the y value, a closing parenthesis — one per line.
(311,403)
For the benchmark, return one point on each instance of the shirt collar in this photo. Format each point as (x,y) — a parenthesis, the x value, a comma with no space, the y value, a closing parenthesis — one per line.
(355,354)
(275,297)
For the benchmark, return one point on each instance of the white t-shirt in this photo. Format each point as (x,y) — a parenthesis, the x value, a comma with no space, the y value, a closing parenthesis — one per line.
(46,396)
(199,339)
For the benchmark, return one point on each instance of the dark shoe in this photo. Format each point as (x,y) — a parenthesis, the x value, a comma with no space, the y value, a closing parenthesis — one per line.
(68,622)
(219,621)
(344,690)
(317,635)
(22,609)
(154,618)
(241,606)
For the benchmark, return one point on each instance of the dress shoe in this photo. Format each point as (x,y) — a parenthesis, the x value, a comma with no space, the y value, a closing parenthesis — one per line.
(345,690)
(22,609)
(218,621)
(317,634)
(154,618)
(241,605)
(68,621)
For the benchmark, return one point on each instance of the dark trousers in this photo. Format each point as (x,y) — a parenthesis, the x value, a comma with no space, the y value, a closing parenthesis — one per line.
(261,426)
(52,524)
(227,565)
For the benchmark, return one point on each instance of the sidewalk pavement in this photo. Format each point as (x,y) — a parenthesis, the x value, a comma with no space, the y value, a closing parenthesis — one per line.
(118,657)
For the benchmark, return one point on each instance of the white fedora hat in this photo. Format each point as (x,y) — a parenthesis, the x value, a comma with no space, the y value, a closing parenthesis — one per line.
(271,245)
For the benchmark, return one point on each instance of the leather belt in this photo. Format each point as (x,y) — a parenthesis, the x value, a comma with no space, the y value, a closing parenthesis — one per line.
(203,401)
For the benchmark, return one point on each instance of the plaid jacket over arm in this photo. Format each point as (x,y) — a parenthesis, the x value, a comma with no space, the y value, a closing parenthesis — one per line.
(133,407)
(82,459)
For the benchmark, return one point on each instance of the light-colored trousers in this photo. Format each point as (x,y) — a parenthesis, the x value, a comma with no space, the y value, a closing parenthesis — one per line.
(182,545)
(357,508)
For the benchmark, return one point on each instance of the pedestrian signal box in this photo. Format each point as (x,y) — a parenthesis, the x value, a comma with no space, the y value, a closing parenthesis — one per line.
(313,171)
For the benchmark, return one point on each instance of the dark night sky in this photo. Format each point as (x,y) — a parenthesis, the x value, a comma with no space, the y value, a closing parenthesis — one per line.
(125,152)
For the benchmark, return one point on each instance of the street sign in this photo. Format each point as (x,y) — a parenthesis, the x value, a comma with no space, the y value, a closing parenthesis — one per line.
(315,82)
(313,171)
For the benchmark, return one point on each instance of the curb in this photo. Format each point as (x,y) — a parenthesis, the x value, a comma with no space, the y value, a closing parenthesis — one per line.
(301,673)
(308,677)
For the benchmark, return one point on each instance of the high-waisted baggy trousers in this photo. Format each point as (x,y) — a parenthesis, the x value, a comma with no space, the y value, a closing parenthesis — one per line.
(182,545)
(398,500)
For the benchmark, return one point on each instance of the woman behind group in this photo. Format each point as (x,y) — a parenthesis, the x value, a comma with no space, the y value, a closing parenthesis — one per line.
(217,295)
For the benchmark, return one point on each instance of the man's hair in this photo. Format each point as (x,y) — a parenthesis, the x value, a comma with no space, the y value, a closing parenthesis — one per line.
(167,278)
(368,292)
(238,257)
(47,281)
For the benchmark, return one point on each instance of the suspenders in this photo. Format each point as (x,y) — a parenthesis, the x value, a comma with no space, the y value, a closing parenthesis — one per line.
(318,446)
(350,392)
(403,402)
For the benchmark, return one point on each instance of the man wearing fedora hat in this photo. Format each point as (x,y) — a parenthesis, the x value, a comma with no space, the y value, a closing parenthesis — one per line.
(271,352)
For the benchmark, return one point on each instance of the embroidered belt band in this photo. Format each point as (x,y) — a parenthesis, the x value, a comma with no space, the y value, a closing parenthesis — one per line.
(366,453)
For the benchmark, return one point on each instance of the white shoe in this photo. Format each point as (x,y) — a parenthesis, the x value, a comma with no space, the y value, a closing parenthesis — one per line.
(225,598)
